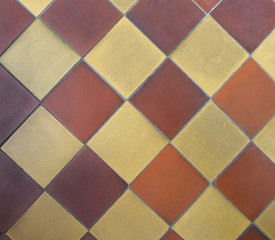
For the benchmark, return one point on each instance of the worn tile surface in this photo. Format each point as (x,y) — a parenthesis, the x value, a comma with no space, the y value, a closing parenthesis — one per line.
(137,120)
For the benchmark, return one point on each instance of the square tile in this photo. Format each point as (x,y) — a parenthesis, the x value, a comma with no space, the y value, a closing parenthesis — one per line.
(125,57)
(267,221)
(210,141)
(265,140)
(13,20)
(265,56)
(42,146)
(211,217)
(166,22)
(207,5)
(5,238)
(132,142)
(248,98)
(249,22)
(171,235)
(249,182)
(169,99)
(15,104)
(83,24)
(87,187)
(129,218)
(123,5)
(17,192)
(83,101)
(36,6)
(46,219)
(253,233)
(30,59)
(209,56)
(169,184)
(88,237)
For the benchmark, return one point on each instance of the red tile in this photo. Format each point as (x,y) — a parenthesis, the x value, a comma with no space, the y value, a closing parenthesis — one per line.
(5,238)
(82,24)
(87,187)
(169,184)
(248,98)
(16,103)
(207,5)
(249,183)
(83,101)
(88,237)
(249,22)
(166,22)
(17,192)
(13,20)
(171,235)
(169,99)
(253,234)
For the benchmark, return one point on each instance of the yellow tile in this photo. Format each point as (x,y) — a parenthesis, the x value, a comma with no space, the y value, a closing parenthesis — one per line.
(210,141)
(129,218)
(209,56)
(42,146)
(265,140)
(36,6)
(128,142)
(265,55)
(39,59)
(211,217)
(125,57)
(45,220)
(123,5)
(266,221)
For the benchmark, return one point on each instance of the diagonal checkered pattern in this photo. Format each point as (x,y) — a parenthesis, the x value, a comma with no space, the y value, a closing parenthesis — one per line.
(137,119)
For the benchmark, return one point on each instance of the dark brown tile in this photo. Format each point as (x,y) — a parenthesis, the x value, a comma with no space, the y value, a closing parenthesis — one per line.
(169,99)
(13,20)
(5,238)
(83,101)
(17,192)
(88,237)
(166,22)
(207,5)
(169,184)
(87,187)
(171,235)
(83,24)
(15,104)
(249,22)
(248,98)
(253,234)
(249,183)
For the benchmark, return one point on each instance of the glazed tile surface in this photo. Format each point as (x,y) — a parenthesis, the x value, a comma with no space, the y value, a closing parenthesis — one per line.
(137,120)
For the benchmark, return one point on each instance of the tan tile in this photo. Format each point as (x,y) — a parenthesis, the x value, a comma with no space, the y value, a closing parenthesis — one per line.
(128,142)
(210,141)
(42,146)
(129,218)
(39,59)
(125,57)
(211,217)
(123,5)
(35,6)
(45,220)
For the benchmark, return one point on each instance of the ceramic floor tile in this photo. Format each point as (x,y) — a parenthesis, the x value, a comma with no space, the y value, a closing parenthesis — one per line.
(171,235)
(267,221)
(88,237)
(13,20)
(249,22)
(265,56)
(87,187)
(169,184)
(211,217)
(15,104)
(46,219)
(253,234)
(5,238)
(265,140)
(248,98)
(129,218)
(125,57)
(207,5)
(17,192)
(209,56)
(83,101)
(30,59)
(210,141)
(249,182)
(83,24)
(42,146)
(123,5)
(36,6)
(132,142)
(169,99)
(166,22)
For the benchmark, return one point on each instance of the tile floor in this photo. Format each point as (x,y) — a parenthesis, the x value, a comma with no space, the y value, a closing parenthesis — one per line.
(137,120)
